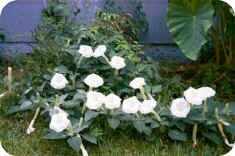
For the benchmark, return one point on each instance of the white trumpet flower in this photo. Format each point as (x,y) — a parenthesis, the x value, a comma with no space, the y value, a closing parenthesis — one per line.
(231,3)
(117,62)
(4,3)
(94,100)
(58,81)
(86,51)
(206,92)
(2,95)
(193,96)
(93,81)
(231,152)
(100,51)
(112,101)
(3,151)
(131,105)
(180,108)
(59,120)
(147,106)
(137,83)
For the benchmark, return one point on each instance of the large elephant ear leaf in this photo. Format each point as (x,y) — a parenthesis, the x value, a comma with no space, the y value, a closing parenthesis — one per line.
(189,22)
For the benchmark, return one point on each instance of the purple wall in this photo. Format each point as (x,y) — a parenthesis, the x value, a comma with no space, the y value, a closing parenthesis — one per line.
(155,11)
(19,19)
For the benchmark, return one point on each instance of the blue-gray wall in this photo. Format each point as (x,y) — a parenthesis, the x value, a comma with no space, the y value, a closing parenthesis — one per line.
(19,19)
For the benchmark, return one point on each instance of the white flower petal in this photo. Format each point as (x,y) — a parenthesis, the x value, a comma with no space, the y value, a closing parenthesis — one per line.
(231,152)
(2,95)
(112,101)
(131,105)
(229,144)
(30,129)
(206,92)
(3,4)
(117,62)
(193,96)
(56,110)
(59,120)
(86,51)
(99,51)
(3,151)
(231,3)
(58,81)
(94,100)
(147,106)
(94,81)
(180,108)
(137,83)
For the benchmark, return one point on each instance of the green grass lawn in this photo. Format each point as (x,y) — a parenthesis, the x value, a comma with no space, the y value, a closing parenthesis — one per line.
(17,142)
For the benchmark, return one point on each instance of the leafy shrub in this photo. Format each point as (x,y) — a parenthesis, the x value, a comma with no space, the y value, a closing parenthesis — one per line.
(60,33)
(79,116)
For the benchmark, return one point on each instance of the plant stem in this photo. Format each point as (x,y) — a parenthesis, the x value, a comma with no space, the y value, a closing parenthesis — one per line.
(194,135)
(142,91)
(116,72)
(80,61)
(205,109)
(137,115)
(220,127)
(112,112)
(84,151)
(9,79)
(106,59)
(90,89)
(31,125)
(80,122)
(157,116)
(74,83)
(83,109)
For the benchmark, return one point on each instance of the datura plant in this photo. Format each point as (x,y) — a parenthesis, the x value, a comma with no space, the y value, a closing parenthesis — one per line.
(110,86)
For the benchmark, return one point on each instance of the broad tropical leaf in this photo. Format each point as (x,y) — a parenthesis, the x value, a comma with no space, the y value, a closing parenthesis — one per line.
(189,22)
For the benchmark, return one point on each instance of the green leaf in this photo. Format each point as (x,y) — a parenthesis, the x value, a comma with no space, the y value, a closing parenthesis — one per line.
(76,126)
(55,136)
(75,143)
(231,129)
(212,137)
(80,95)
(157,89)
(89,138)
(113,123)
(196,115)
(165,112)
(177,135)
(90,115)
(142,128)
(181,126)
(189,22)
(232,108)
(25,105)
(70,104)
(62,69)
(139,125)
